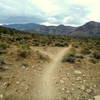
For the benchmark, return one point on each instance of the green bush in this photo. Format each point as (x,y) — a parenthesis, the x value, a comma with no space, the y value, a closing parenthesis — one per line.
(25,65)
(70,59)
(59,44)
(1,78)
(85,51)
(25,46)
(93,61)
(24,53)
(96,55)
(3,52)
(3,45)
(2,62)
(79,56)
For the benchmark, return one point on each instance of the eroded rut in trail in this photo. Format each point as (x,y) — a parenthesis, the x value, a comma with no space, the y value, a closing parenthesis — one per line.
(48,91)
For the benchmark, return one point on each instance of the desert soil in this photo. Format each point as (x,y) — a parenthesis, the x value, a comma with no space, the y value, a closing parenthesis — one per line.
(51,79)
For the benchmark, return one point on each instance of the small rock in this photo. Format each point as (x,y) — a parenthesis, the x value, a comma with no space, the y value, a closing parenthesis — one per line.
(97,97)
(78,78)
(17,82)
(88,90)
(6,84)
(90,99)
(33,66)
(94,86)
(63,89)
(84,75)
(81,82)
(35,70)
(72,89)
(26,88)
(77,72)
(68,91)
(1,96)
(23,67)
(68,74)
(61,81)
(27,69)
(82,87)
(64,78)
(84,81)
(73,84)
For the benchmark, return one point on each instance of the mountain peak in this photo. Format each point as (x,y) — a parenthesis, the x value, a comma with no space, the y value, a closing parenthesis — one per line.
(61,26)
(91,28)
(92,23)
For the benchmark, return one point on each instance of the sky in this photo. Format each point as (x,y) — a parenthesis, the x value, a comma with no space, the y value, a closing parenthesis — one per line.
(49,12)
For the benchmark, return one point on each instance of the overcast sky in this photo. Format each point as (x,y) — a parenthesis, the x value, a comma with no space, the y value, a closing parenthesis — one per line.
(49,12)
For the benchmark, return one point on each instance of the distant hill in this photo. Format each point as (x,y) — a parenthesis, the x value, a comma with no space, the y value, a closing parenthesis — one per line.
(32,27)
(5,30)
(29,26)
(89,29)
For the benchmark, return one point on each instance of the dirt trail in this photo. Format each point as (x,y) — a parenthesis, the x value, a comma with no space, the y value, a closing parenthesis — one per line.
(48,91)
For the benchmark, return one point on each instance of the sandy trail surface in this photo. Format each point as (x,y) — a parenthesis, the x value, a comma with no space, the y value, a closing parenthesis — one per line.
(47,89)
(48,78)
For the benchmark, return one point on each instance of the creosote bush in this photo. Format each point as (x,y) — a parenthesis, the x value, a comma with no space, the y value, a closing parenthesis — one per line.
(2,62)
(70,57)
(3,45)
(96,55)
(85,51)
(24,53)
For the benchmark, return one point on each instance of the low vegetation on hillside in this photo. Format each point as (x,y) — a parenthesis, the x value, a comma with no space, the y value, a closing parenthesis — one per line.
(82,47)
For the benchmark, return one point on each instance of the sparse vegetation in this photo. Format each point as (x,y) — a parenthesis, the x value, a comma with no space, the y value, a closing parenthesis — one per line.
(2,62)
(96,55)
(20,50)
(23,53)
(3,45)
(85,51)
(70,57)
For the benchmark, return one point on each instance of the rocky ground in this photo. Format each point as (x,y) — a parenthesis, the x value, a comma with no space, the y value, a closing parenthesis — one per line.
(70,81)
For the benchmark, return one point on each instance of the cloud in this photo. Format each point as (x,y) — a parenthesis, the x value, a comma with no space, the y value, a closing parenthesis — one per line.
(49,12)
(22,19)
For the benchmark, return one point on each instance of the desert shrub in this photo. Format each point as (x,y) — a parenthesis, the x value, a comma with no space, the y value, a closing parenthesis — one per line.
(60,44)
(3,45)
(3,52)
(24,53)
(0,78)
(93,61)
(24,65)
(43,57)
(85,51)
(35,44)
(2,62)
(2,69)
(70,57)
(65,44)
(25,46)
(96,55)
(75,45)
(79,56)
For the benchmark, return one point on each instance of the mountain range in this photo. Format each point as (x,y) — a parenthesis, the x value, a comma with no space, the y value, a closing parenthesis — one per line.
(89,29)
